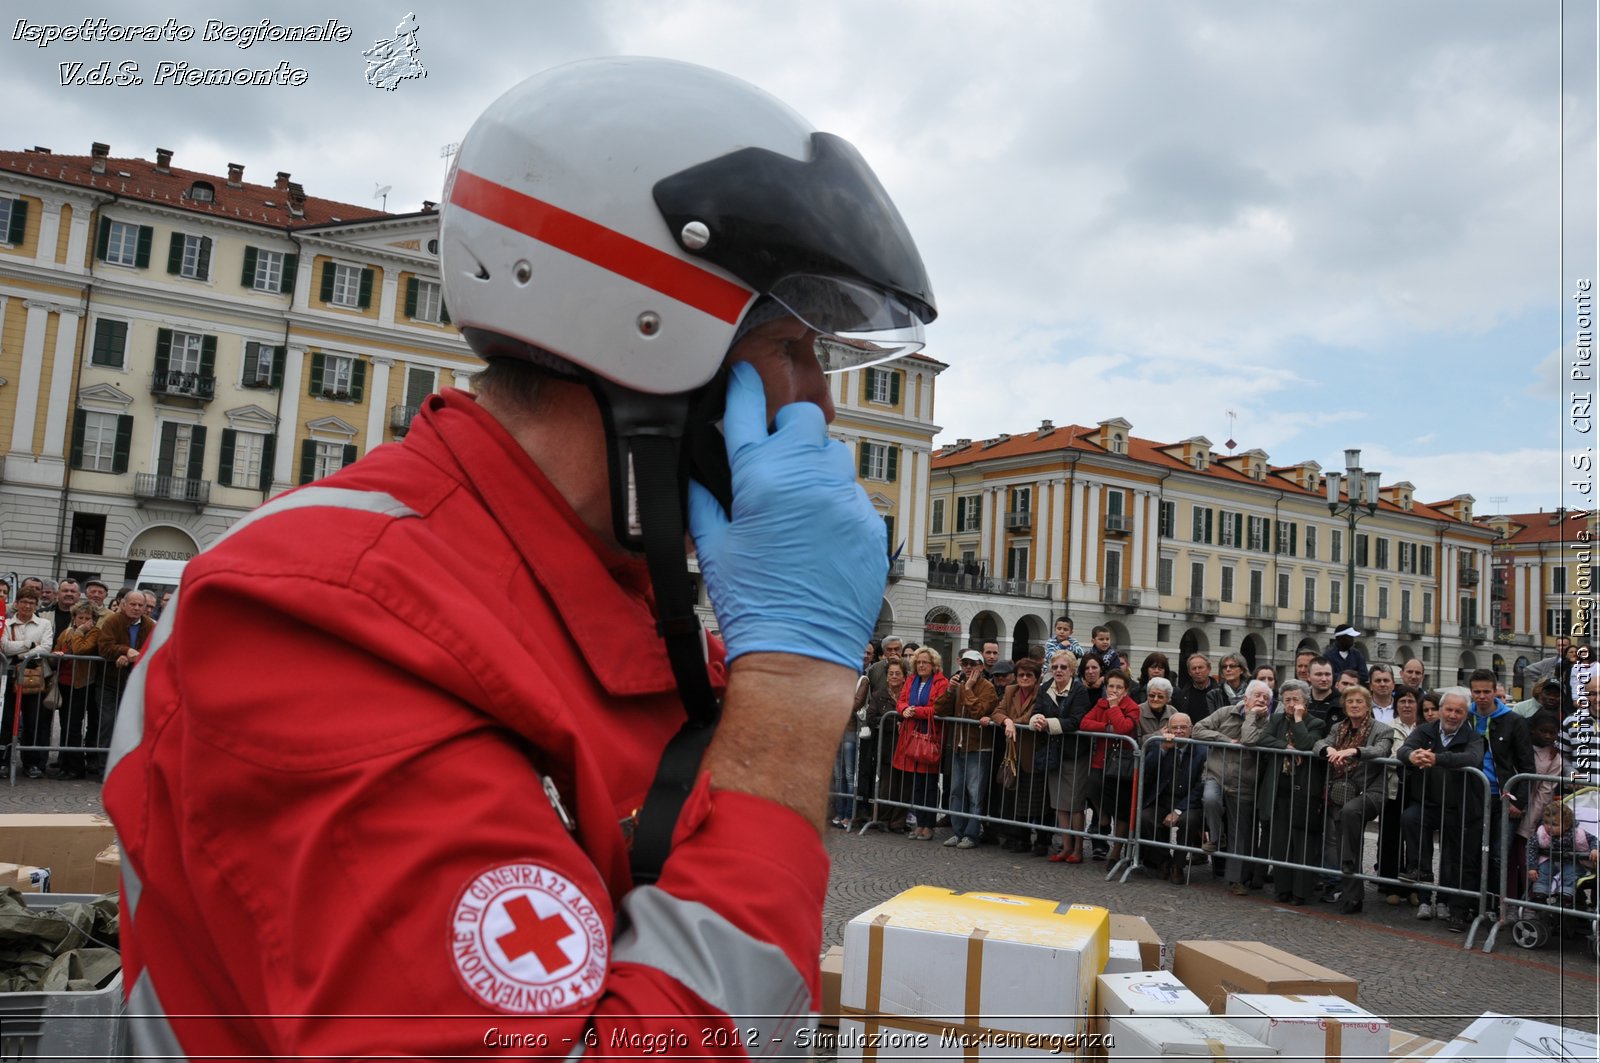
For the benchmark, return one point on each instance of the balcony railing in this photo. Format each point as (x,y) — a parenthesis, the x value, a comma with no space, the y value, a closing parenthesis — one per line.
(1469,576)
(1497,588)
(1367,625)
(400,418)
(1317,618)
(1118,524)
(1261,612)
(1203,606)
(1474,632)
(1411,629)
(897,568)
(153,486)
(179,384)
(962,581)
(1018,518)
(1121,598)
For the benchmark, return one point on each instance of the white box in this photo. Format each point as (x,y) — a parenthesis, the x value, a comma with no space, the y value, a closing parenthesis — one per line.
(1504,1037)
(1147,993)
(1198,1036)
(1123,957)
(1310,1028)
(934,971)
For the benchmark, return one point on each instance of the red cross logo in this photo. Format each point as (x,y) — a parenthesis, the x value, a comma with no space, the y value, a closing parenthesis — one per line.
(540,936)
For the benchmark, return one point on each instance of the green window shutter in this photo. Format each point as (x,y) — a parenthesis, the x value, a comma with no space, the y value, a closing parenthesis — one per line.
(861,458)
(175,253)
(328,270)
(268,454)
(1208,525)
(248,277)
(119,456)
(893,464)
(349,457)
(203,267)
(169,443)
(208,356)
(142,256)
(78,428)
(894,388)
(411,297)
(103,240)
(19,221)
(252,358)
(197,453)
(1294,540)
(961,513)
(109,339)
(364,299)
(291,266)
(444,312)
(278,354)
(308,459)
(163,350)
(318,360)
(358,380)
(225,458)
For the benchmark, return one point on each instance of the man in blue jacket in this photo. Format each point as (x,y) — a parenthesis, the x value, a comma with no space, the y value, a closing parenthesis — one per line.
(1508,751)
(1173,797)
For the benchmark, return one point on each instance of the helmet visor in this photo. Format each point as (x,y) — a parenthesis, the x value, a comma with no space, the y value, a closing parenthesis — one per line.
(856,325)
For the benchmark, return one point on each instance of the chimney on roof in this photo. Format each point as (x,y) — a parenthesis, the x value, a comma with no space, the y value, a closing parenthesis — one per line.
(40,150)
(163,160)
(283,180)
(429,206)
(963,443)
(297,197)
(99,152)
(1047,425)
(235,175)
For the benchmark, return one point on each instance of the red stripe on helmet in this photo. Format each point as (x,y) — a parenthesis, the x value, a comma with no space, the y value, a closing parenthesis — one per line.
(606,248)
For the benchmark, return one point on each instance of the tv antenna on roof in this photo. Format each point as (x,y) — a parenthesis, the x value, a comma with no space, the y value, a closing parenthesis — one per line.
(1499,502)
(382,192)
(1230,444)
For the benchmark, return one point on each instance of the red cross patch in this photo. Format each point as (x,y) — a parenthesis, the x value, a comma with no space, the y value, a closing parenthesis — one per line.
(525,940)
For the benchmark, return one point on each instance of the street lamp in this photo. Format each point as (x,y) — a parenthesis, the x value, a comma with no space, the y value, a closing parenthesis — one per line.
(1361,500)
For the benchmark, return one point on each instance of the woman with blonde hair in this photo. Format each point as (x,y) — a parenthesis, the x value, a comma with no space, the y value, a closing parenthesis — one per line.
(926,694)
(1060,708)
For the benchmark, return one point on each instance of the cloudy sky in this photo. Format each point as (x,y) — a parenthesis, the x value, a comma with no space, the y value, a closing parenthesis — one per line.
(1343,222)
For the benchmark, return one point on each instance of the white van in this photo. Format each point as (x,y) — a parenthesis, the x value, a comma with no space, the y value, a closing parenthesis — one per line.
(160,575)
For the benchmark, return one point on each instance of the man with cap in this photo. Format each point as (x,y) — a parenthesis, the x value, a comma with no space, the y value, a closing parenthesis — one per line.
(1547,695)
(96,592)
(1344,656)
(969,762)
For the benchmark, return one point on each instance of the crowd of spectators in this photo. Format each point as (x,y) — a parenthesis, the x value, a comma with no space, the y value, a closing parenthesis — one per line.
(1260,783)
(67,651)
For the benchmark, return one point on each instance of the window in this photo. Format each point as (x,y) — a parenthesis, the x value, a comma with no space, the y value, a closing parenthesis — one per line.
(1017,563)
(246,460)
(181,453)
(1383,603)
(13,220)
(1113,573)
(185,364)
(1197,579)
(1283,590)
(100,441)
(110,344)
(888,528)
(938,516)
(1336,548)
(1164,576)
(1311,594)
(1231,532)
(425,301)
(1227,583)
(1169,520)
(184,354)
(1427,560)
(1021,500)
(341,377)
(1311,544)
(1257,533)
(969,515)
(202,192)
(1427,605)
(1406,556)
(263,365)
(878,461)
(1255,586)
(319,459)
(1202,524)
(883,386)
(122,244)
(1358,599)
(1557,621)
(1335,597)
(347,286)
(1287,539)
(1361,549)
(88,533)
(1383,553)
(190,256)
(1558,580)
(269,271)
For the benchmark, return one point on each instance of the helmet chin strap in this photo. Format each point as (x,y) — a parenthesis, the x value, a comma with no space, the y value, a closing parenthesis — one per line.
(649,443)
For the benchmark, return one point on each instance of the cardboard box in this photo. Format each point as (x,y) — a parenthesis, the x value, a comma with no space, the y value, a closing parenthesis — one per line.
(936,972)
(1138,928)
(1146,993)
(1502,1037)
(66,843)
(25,879)
(832,975)
(1124,957)
(1310,1027)
(1213,969)
(108,870)
(1198,1037)
(1406,1047)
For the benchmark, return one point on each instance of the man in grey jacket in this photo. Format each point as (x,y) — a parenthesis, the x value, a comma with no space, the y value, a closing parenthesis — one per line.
(1230,783)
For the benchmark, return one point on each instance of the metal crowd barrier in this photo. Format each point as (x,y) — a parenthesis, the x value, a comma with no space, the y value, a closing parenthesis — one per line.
(1532,933)
(86,710)
(1249,856)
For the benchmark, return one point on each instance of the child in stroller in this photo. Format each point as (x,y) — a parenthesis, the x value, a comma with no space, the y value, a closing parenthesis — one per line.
(1561,860)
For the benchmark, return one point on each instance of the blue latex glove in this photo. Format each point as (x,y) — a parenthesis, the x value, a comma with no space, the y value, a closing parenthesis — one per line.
(802,565)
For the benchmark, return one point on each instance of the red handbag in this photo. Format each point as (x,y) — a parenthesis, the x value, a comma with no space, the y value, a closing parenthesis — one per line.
(921,750)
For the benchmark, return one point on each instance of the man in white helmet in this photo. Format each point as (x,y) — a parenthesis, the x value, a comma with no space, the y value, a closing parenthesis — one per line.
(599,829)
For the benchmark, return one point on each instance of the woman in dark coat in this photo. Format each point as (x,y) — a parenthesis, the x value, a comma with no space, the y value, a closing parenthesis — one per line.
(1061,707)
(1289,793)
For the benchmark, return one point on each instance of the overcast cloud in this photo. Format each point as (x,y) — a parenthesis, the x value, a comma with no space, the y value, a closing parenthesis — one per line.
(1340,221)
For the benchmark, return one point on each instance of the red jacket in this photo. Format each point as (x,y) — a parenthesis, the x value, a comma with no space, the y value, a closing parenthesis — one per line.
(340,808)
(1104,718)
(922,719)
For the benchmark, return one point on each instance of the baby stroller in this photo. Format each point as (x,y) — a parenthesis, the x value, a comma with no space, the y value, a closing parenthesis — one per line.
(1534,929)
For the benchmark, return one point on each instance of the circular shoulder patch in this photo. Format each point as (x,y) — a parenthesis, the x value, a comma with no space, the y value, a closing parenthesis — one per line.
(525,940)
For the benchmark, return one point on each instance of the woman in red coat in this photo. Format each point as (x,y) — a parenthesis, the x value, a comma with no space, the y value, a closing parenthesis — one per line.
(1115,713)
(920,701)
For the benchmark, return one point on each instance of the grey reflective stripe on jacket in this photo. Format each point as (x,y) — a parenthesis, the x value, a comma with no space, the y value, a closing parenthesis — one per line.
(752,981)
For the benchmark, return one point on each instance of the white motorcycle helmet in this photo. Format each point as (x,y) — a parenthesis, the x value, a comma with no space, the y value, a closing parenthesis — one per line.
(625,214)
